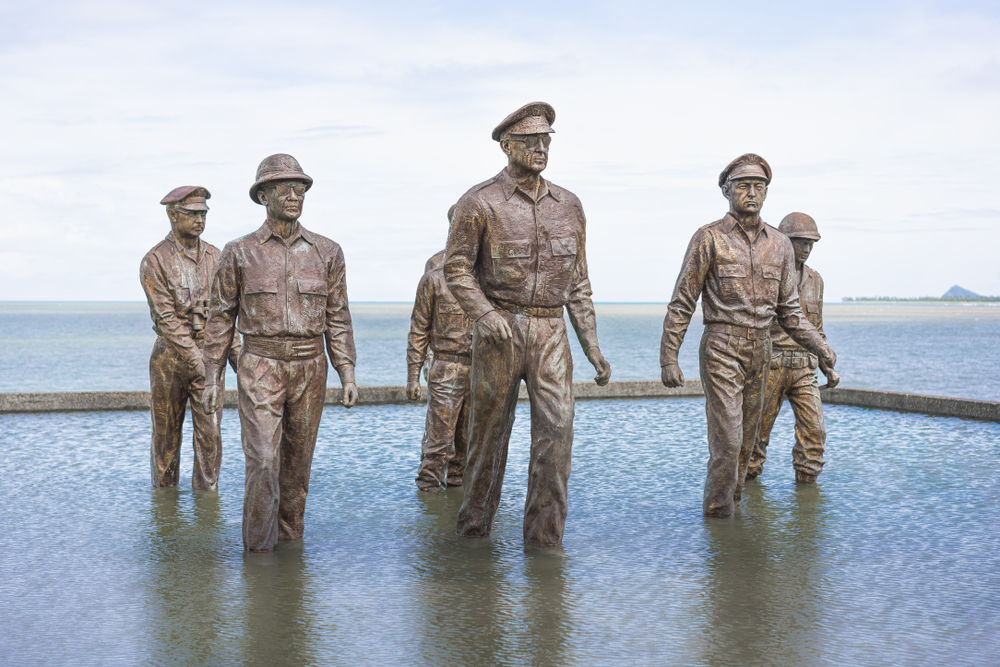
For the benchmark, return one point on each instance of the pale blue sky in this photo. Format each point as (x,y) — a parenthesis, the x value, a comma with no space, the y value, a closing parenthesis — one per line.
(879,119)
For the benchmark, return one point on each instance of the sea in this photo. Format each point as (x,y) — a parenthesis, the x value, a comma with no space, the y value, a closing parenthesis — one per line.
(892,557)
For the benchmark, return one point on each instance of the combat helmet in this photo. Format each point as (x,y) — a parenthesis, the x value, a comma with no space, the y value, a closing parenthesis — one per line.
(799,226)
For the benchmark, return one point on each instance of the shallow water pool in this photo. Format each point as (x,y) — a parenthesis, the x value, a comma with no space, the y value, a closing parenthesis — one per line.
(890,559)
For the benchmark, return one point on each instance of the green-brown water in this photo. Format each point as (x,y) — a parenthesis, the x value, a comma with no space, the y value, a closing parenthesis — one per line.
(890,559)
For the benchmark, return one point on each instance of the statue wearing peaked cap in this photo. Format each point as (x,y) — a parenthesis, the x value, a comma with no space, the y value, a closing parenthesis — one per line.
(743,270)
(516,261)
(285,289)
(176,276)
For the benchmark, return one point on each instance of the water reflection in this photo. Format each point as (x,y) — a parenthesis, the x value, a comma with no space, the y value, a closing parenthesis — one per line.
(764,569)
(480,603)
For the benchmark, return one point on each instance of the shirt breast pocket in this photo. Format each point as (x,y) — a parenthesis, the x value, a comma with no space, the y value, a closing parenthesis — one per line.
(260,294)
(771,275)
(731,278)
(313,294)
(509,260)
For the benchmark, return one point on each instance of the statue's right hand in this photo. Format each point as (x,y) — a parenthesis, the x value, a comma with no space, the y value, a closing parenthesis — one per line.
(210,398)
(413,390)
(494,328)
(671,375)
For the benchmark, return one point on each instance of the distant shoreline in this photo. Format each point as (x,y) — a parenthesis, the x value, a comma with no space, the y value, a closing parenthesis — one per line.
(924,299)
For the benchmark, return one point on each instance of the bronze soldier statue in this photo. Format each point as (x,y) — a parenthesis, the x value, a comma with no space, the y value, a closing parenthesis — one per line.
(176,276)
(439,324)
(286,290)
(744,271)
(793,368)
(515,258)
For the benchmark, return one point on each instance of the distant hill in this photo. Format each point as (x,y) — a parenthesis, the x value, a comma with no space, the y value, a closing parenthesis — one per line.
(957,292)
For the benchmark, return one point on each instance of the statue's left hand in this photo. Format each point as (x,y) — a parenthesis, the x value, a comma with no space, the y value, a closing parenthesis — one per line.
(350,397)
(602,366)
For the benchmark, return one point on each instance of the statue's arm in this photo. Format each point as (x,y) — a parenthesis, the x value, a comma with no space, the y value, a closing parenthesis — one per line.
(172,325)
(789,313)
(462,253)
(223,310)
(697,261)
(339,327)
(421,320)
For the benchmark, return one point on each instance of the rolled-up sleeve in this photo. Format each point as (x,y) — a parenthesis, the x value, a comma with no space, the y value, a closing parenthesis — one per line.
(698,260)
(339,328)
(222,312)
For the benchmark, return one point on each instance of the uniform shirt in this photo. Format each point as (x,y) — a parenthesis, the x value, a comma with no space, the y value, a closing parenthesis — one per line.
(174,278)
(811,299)
(293,287)
(504,245)
(437,322)
(742,281)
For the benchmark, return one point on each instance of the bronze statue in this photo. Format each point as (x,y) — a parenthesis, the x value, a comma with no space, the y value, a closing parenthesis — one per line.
(516,256)
(286,289)
(793,368)
(176,276)
(438,324)
(744,271)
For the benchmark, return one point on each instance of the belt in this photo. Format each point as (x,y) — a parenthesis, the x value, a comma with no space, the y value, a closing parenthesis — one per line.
(284,348)
(530,311)
(454,358)
(742,332)
(793,359)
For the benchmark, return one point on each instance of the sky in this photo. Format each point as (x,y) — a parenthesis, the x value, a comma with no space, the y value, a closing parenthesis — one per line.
(879,119)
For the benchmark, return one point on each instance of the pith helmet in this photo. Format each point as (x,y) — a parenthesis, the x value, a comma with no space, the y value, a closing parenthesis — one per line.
(749,165)
(279,167)
(188,197)
(799,226)
(532,118)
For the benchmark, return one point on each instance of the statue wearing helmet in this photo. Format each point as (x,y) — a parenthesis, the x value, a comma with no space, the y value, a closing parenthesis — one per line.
(793,368)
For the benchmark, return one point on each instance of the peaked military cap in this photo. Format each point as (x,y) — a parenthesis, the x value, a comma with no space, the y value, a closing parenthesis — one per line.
(532,118)
(188,197)
(799,226)
(749,165)
(278,167)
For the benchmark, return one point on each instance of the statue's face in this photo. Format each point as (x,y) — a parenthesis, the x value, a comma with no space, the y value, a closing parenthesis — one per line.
(528,151)
(283,199)
(802,249)
(187,224)
(746,195)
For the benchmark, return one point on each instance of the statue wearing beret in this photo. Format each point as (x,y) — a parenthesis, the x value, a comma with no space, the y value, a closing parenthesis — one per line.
(793,368)
(744,272)
(285,288)
(516,257)
(176,276)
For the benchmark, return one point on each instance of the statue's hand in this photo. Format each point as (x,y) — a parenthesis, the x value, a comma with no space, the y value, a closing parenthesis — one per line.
(413,390)
(671,375)
(350,396)
(494,328)
(602,366)
(828,356)
(210,398)
(832,378)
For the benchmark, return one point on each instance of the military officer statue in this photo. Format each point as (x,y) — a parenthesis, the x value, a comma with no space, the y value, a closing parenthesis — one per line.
(438,323)
(176,276)
(793,368)
(516,256)
(744,272)
(286,289)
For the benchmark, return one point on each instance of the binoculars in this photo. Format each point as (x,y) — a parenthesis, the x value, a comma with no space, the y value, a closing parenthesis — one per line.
(199,315)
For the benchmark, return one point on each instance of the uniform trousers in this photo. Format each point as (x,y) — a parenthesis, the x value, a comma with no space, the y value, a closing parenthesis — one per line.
(443,450)
(539,354)
(734,372)
(172,383)
(801,387)
(281,403)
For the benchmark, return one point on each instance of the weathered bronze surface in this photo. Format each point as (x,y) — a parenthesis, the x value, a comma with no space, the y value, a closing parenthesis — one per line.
(176,276)
(793,368)
(286,289)
(744,271)
(515,258)
(439,324)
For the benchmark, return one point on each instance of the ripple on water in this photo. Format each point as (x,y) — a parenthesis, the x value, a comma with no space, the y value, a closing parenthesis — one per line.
(891,558)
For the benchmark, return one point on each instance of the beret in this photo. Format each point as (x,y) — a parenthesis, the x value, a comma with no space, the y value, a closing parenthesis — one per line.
(192,197)
(278,167)
(749,165)
(532,118)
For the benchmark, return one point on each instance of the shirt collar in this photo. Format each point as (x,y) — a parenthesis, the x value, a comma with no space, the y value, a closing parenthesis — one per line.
(184,251)
(732,223)
(265,233)
(509,185)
